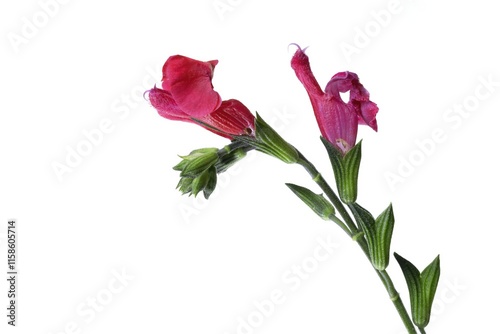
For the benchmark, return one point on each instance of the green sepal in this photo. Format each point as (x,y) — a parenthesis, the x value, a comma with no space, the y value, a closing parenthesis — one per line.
(422,288)
(205,182)
(197,162)
(316,202)
(185,185)
(211,184)
(336,159)
(268,141)
(346,170)
(352,161)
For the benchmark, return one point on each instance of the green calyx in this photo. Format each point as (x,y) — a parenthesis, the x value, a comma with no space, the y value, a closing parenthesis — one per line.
(268,141)
(346,170)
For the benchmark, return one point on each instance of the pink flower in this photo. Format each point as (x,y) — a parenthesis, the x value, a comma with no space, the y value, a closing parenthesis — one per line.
(338,121)
(188,96)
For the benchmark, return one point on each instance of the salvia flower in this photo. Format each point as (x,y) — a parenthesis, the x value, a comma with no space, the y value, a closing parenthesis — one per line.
(338,121)
(187,95)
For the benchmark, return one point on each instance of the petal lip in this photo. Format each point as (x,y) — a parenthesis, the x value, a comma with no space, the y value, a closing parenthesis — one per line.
(189,81)
(166,105)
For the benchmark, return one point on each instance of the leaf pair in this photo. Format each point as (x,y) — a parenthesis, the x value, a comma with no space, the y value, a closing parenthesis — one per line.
(378,233)
(422,288)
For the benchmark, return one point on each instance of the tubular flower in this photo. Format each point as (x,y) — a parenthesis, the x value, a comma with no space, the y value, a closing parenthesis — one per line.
(187,95)
(338,121)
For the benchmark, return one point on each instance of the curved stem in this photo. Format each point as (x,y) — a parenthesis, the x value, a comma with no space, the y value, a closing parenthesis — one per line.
(353,231)
(340,223)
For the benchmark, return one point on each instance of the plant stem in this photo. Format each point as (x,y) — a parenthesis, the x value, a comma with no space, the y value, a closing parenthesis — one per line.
(340,223)
(352,232)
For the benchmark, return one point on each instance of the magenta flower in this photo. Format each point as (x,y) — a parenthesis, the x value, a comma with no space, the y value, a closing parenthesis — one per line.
(188,96)
(338,121)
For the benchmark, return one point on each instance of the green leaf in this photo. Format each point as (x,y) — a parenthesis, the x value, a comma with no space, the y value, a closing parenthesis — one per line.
(316,202)
(430,278)
(367,223)
(384,225)
(422,288)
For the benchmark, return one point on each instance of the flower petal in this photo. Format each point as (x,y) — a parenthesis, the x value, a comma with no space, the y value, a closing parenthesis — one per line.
(341,82)
(367,114)
(338,122)
(189,81)
(231,119)
(302,68)
(165,105)
(359,97)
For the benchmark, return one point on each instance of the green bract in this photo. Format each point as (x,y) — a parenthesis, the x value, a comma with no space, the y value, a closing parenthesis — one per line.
(422,288)
(346,169)
(316,202)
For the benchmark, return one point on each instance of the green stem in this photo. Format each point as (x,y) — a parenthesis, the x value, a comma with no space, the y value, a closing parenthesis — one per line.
(422,331)
(340,223)
(353,231)
(391,290)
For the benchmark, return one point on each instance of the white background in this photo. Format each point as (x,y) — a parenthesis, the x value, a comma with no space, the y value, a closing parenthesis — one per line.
(193,266)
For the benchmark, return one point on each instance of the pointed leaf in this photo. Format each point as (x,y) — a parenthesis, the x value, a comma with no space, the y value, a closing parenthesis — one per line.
(430,278)
(367,223)
(316,202)
(384,225)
